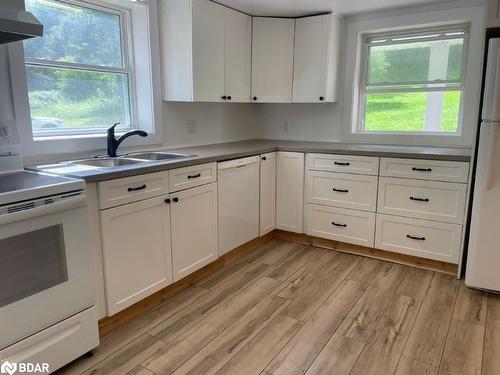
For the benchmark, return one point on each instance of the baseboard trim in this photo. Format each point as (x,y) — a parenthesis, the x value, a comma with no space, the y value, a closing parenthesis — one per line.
(428,264)
(111,323)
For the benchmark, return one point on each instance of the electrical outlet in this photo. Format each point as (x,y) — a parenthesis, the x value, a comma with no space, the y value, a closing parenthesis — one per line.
(191,126)
(286,125)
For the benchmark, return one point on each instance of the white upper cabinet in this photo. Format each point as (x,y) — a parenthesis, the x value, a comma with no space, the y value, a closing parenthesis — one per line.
(238,55)
(206,51)
(493,13)
(272,59)
(316,59)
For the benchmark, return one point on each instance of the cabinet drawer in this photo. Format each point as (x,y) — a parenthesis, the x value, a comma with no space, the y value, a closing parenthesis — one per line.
(195,175)
(450,171)
(351,226)
(343,190)
(422,238)
(431,200)
(131,189)
(343,163)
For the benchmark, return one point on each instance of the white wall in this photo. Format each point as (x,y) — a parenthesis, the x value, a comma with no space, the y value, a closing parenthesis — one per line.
(308,122)
(215,122)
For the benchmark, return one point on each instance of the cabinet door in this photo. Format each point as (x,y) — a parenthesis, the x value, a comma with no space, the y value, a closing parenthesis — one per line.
(267,193)
(238,58)
(311,59)
(272,59)
(136,248)
(194,229)
(290,191)
(208,51)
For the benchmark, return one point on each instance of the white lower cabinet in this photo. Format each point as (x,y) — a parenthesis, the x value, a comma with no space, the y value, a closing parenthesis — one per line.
(351,226)
(194,229)
(290,191)
(357,192)
(267,193)
(421,238)
(136,249)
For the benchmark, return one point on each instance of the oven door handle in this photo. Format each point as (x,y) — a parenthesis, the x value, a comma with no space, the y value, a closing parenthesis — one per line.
(51,208)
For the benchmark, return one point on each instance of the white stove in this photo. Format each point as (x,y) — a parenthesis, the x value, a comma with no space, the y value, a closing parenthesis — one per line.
(47,298)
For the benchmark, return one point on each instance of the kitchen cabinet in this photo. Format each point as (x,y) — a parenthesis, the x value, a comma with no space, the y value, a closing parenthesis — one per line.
(290,191)
(136,251)
(493,13)
(272,59)
(267,193)
(194,229)
(316,59)
(237,56)
(206,51)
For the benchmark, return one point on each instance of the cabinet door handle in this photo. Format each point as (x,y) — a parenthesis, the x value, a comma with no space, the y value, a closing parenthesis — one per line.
(264,158)
(420,199)
(339,225)
(421,169)
(137,188)
(229,97)
(175,199)
(194,176)
(224,97)
(415,237)
(167,201)
(321,98)
(254,98)
(342,164)
(341,190)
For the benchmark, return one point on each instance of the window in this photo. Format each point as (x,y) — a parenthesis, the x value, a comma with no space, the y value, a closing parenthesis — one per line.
(79,73)
(412,82)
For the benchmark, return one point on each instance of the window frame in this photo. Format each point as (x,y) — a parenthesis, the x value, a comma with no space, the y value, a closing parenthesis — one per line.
(127,57)
(359,126)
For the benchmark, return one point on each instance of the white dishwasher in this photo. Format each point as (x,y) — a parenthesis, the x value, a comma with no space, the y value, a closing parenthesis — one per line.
(238,186)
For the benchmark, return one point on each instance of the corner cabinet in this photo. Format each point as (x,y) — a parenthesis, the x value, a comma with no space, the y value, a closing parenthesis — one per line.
(272,59)
(194,229)
(316,59)
(136,250)
(206,51)
(290,191)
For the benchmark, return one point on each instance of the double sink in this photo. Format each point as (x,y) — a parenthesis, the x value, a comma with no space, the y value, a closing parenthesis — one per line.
(130,159)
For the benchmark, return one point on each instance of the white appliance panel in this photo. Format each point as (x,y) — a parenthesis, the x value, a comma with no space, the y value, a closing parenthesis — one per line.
(238,184)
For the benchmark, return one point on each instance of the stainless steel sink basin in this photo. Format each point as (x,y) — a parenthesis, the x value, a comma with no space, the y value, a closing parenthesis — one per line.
(156,156)
(108,162)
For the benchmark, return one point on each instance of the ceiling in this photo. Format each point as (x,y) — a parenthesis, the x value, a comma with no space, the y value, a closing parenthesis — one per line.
(296,8)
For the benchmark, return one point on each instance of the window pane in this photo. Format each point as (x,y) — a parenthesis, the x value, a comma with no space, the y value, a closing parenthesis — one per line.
(415,62)
(70,99)
(75,34)
(406,112)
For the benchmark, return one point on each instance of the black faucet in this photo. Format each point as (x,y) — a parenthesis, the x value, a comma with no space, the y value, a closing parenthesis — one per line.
(113,143)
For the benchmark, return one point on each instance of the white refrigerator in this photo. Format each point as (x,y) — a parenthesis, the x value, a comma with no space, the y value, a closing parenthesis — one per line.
(483,263)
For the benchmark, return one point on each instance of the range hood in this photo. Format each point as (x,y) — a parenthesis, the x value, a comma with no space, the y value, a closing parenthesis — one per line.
(18,25)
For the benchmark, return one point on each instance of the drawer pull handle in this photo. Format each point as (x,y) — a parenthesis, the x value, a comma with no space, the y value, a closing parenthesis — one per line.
(415,237)
(342,164)
(421,169)
(194,176)
(339,225)
(175,199)
(341,190)
(420,199)
(137,188)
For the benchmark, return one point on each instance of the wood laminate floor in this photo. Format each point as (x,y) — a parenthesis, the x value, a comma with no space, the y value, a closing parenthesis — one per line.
(292,309)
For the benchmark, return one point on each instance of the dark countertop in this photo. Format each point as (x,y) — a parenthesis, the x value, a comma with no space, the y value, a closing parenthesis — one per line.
(232,150)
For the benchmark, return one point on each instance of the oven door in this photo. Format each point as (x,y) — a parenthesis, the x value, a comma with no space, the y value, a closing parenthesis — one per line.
(46,267)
